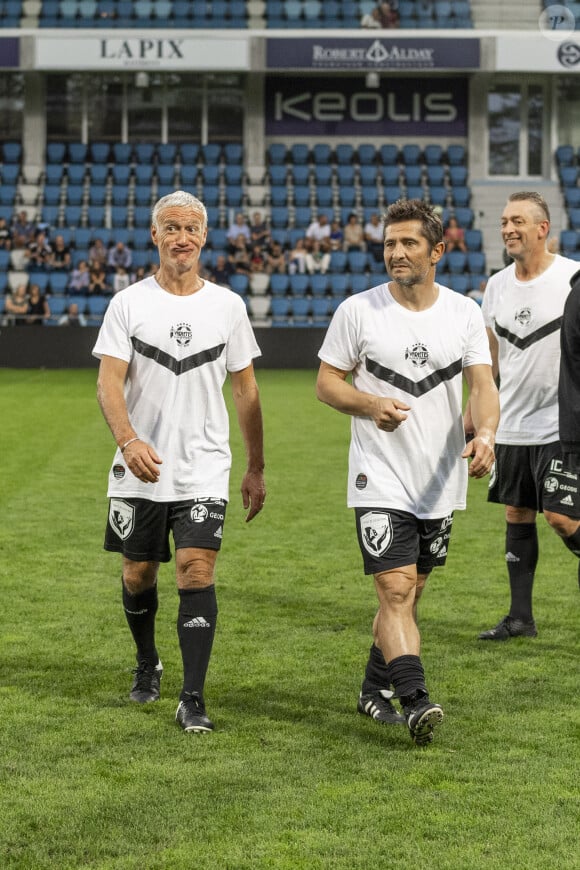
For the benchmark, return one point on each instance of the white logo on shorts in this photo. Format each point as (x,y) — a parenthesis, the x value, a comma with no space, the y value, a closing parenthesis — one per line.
(377,532)
(121,517)
(436,545)
(198,513)
(551,484)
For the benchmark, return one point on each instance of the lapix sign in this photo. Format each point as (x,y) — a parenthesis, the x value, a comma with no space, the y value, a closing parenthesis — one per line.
(331,106)
(142,49)
(141,53)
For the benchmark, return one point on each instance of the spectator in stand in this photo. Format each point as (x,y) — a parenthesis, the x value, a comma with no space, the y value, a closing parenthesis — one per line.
(373,234)
(297,258)
(276,259)
(317,260)
(60,257)
(319,230)
(389,16)
(80,278)
(454,236)
(259,232)
(73,317)
(372,20)
(98,282)
(98,254)
(119,255)
(257,259)
(5,235)
(16,305)
(222,271)
(121,279)
(38,308)
(23,230)
(38,251)
(354,238)
(239,257)
(238,228)
(336,237)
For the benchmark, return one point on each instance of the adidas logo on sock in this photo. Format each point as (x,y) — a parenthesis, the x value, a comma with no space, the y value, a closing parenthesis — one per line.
(509,557)
(219,533)
(567,500)
(197,622)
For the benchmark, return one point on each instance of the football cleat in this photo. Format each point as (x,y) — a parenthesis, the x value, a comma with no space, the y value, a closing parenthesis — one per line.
(378,706)
(421,719)
(191,715)
(509,627)
(146,685)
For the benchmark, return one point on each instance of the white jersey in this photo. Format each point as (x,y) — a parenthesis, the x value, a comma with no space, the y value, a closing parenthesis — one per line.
(416,357)
(525,317)
(179,350)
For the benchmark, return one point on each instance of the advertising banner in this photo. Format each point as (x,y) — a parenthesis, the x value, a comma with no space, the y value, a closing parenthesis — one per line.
(334,106)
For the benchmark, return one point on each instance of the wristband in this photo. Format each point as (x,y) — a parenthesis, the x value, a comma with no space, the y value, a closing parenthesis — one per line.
(126,444)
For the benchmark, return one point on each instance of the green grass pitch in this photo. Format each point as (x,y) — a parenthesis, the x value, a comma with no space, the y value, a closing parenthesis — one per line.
(292,778)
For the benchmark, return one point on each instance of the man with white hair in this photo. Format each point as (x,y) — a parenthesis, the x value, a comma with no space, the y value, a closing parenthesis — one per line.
(166,345)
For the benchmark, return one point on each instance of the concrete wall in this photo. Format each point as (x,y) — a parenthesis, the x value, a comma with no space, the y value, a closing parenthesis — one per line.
(66,347)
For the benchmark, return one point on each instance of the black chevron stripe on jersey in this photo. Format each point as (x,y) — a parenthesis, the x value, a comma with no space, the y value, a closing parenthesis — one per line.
(532,338)
(418,388)
(177,366)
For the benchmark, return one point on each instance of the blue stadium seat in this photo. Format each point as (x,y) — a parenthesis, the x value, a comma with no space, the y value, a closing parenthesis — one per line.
(459,283)
(574,218)
(210,195)
(119,217)
(411,154)
(166,173)
(189,153)
(456,155)
(475,261)
(233,173)
(166,154)
(121,173)
(359,282)
(74,194)
(366,154)
(300,173)
(278,173)
(473,239)
(96,216)
(144,173)
(412,175)
(368,174)
(144,152)
(339,283)
(75,173)
(389,175)
(435,175)
(344,153)
(369,196)
(280,216)
(456,262)
(188,175)
(11,152)
(322,153)
(211,152)
(142,196)
(279,194)
(345,174)
(279,284)
(461,196)
(565,155)
(99,152)
(319,284)
(569,240)
(356,261)
(52,194)
(325,195)
(300,310)
(233,153)
(299,153)
(239,283)
(338,261)
(280,310)
(415,191)
(320,311)
(438,195)
(73,215)
(55,152)
(234,195)
(122,152)
(53,173)
(98,173)
(210,174)
(464,216)
(302,216)
(301,194)
(277,153)
(433,154)
(322,174)
(388,154)
(77,152)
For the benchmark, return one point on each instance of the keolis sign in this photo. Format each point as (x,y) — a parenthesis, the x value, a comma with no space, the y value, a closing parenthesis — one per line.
(345,106)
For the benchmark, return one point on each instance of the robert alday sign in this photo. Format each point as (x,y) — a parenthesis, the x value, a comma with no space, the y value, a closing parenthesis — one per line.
(140,52)
(361,53)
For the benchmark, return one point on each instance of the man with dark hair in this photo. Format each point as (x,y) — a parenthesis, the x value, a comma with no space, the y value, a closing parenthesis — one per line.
(406,344)
(522,308)
(166,346)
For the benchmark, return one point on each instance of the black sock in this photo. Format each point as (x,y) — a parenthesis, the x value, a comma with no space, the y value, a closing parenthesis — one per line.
(376,672)
(573,542)
(196,622)
(408,678)
(140,612)
(521,547)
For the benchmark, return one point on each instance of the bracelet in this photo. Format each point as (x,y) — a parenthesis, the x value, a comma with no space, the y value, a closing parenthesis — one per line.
(126,444)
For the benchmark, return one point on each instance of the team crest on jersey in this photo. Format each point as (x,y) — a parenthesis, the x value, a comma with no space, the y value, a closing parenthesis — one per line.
(523,316)
(377,532)
(121,517)
(181,333)
(198,513)
(551,484)
(418,354)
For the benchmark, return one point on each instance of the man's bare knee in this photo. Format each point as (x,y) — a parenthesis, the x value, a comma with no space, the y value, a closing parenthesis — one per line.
(139,576)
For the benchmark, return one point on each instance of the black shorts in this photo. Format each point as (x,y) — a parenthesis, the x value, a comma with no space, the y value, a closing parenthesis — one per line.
(139,528)
(389,539)
(534,477)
